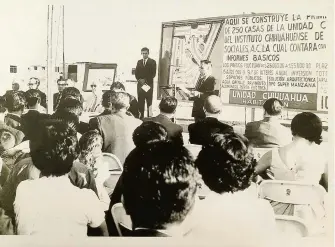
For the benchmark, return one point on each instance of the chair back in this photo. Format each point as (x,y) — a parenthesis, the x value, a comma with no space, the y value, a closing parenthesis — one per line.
(194,149)
(121,219)
(292,192)
(259,152)
(291,226)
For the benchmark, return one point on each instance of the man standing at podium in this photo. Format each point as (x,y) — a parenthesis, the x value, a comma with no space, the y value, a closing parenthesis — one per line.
(145,73)
(205,87)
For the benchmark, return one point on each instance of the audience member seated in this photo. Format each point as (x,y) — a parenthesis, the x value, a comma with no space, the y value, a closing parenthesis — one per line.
(117,128)
(15,102)
(106,103)
(61,83)
(3,109)
(146,133)
(92,104)
(159,191)
(90,145)
(232,210)
(70,108)
(15,88)
(34,83)
(133,105)
(200,132)
(269,132)
(79,175)
(30,120)
(301,160)
(167,107)
(79,208)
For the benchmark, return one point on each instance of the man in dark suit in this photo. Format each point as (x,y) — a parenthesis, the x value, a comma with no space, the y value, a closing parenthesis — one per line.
(269,132)
(34,83)
(205,87)
(167,107)
(145,73)
(31,120)
(117,128)
(15,102)
(201,131)
(61,83)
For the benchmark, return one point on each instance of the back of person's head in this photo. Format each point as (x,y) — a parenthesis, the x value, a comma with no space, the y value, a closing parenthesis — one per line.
(70,105)
(72,92)
(227,165)
(149,132)
(117,87)
(308,126)
(168,105)
(90,145)
(159,185)
(16,101)
(213,104)
(33,97)
(107,99)
(55,147)
(120,100)
(273,107)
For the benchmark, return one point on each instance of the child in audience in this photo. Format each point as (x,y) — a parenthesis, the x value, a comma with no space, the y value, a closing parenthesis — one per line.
(90,145)
(232,209)
(51,205)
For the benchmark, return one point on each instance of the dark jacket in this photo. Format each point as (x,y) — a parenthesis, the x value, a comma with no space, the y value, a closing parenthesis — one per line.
(174,130)
(147,72)
(43,98)
(205,88)
(30,122)
(133,108)
(200,132)
(56,99)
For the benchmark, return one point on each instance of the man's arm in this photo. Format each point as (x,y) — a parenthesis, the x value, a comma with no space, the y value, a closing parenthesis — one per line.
(137,71)
(154,68)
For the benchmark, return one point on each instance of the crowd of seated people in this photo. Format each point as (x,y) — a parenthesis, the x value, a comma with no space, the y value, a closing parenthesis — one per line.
(58,187)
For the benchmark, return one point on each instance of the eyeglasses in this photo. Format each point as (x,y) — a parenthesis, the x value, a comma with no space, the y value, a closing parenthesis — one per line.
(62,84)
(93,85)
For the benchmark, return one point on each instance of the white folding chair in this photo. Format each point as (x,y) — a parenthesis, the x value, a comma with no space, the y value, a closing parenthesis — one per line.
(115,171)
(194,149)
(121,219)
(259,152)
(291,226)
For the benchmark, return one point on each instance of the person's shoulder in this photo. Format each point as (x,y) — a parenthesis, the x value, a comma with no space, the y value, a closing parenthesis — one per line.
(152,60)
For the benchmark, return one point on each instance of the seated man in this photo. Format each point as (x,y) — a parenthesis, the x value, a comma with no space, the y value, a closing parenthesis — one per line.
(269,132)
(62,84)
(133,106)
(232,209)
(31,119)
(34,83)
(200,132)
(159,191)
(117,128)
(15,102)
(167,107)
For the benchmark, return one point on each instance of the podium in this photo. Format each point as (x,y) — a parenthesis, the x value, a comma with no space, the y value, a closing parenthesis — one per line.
(174,91)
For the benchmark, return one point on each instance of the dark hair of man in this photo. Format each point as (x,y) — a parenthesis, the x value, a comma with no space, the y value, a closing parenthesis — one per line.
(120,100)
(168,104)
(72,92)
(205,62)
(16,86)
(107,99)
(308,126)
(227,165)
(273,106)
(38,82)
(60,79)
(149,132)
(87,143)
(145,49)
(159,185)
(71,105)
(56,147)
(16,101)
(33,97)
(118,86)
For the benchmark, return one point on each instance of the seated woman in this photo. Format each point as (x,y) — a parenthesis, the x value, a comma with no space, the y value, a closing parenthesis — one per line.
(90,145)
(301,160)
(159,189)
(52,205)
(232,209)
